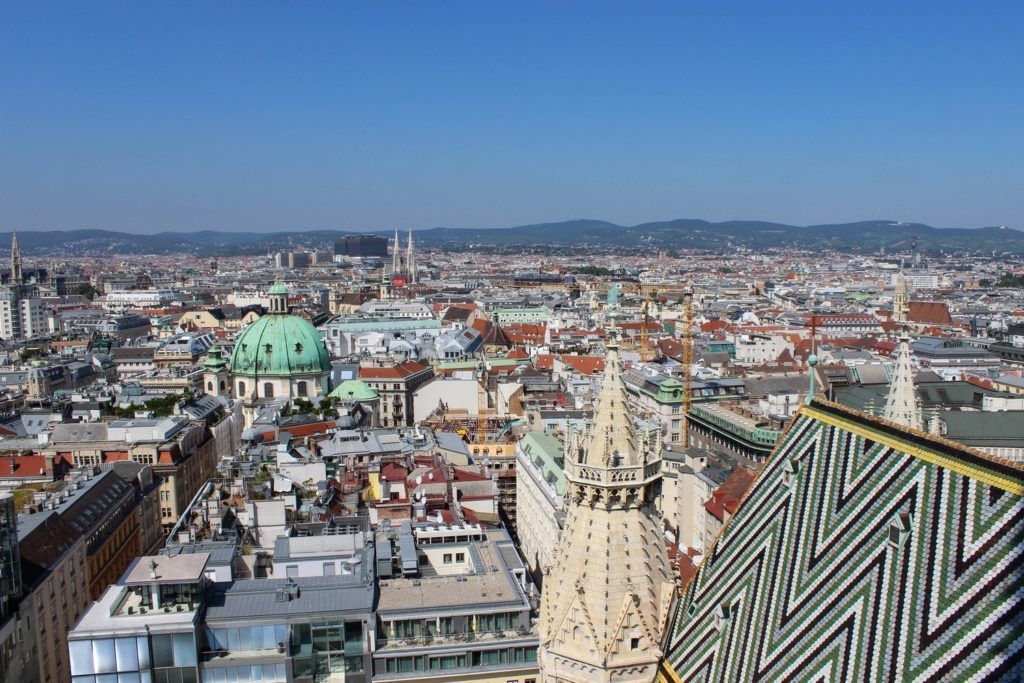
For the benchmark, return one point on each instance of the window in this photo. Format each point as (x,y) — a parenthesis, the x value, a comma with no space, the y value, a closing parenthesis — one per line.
(460,557)
(241,388)
(268,390)
(447,558)
(209,386)
(634,643)
(301,388)
(292,571)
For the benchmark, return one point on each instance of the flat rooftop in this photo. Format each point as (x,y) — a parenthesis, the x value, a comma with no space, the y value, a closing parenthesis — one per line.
(490,586)
(185,568)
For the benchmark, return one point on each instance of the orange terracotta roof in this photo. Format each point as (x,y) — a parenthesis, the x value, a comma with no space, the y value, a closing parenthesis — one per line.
(726,498)
(402,370)
(714,325)
(585,365)
(931,312)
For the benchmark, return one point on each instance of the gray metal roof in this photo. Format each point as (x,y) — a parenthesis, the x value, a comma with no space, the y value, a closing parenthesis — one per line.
(259,598)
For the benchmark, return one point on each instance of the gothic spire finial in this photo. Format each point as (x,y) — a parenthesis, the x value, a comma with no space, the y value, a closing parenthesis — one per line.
(901,405)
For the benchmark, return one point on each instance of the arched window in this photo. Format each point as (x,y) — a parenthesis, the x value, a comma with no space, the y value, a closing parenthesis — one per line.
(223,386)
(209,386)
(301,388)
(268,390)
(241,389)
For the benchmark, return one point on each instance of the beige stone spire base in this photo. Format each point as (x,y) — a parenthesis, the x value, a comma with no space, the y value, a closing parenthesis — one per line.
(607,595)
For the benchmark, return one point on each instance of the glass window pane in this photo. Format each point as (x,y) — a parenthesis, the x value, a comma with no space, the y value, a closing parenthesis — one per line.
(163,651)
(127,654)
(128,678)
(184,650)
(81,657)
(145,676)
(103,656)
(142,648)
(106,678)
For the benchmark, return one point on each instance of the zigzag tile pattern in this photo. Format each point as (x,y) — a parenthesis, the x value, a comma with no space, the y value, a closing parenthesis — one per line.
(860,557)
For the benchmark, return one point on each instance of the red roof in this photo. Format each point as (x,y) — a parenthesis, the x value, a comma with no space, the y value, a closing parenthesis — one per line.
(28,466)
(929,312)
(311,428)
(585,365)
(886,347)
(726,497)
(714,325)
(393,472)
(405,369)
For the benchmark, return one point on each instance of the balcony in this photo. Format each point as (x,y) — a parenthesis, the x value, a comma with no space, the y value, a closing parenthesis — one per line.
(390,644)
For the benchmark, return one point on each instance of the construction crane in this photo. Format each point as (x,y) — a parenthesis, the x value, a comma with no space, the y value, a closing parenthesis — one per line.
(687,362)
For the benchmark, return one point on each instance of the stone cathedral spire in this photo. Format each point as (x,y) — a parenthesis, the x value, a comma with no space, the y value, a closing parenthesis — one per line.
(396,257)
(16,274)
(901,405)
(606,597)
(900,304)
(410,261)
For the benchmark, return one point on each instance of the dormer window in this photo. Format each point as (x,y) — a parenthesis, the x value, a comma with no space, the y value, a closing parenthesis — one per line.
(899,529)
(268,347)
(298,347)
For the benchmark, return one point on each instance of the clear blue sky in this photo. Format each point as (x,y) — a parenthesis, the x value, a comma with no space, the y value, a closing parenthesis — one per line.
(146,116)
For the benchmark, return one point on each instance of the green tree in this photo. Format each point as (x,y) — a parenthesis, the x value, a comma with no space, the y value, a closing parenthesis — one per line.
(86,290)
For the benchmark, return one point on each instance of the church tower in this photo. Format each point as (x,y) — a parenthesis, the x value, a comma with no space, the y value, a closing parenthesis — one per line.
(16,274)
(215,373)
(901,405)
(607,595)
(396,256)
(900,303)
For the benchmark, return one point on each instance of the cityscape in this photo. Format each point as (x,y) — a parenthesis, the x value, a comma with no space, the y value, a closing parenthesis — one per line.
(479,344)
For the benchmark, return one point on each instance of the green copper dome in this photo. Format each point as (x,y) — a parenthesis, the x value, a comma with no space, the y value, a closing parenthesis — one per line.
(354,390)
(280,345)
(278,288)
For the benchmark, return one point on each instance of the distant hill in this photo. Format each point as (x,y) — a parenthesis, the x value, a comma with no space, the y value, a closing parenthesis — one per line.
(865,236)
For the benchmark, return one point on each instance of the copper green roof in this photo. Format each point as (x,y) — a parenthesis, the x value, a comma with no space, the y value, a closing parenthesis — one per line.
(354,390)
(214,359)
(278,288)
(280,345)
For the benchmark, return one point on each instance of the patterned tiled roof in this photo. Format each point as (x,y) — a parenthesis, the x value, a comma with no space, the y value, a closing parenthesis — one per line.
(862,552)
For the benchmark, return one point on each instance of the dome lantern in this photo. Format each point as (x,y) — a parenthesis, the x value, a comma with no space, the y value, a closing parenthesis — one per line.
(279,299)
